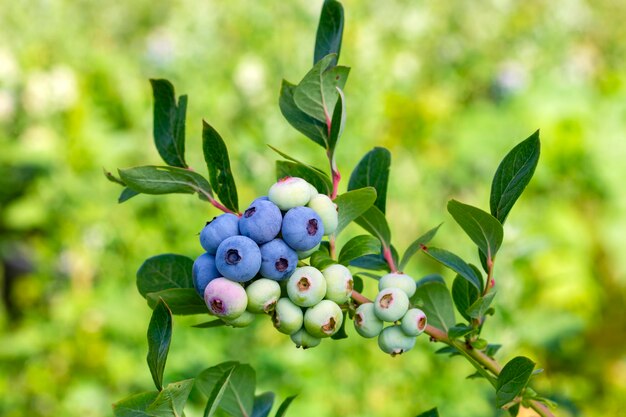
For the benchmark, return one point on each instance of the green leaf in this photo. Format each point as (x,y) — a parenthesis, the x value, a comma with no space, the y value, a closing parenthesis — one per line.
(352,204)
(135,405)
(217,392)
(455,263)
(209,324)
(159,338)
(448,350)
(165,180)
(484,229)
(481,305)
(435,300)
(329,32)
(181,301)
(430,413)
(417,245)
(263,404)
(373,171)
(126,195)
(492,349)
(238,398)
(163,272)
(169,123)
(171,401)
(321,259)
(512,379)
(282,410)
(464,295)
(514,410)
(459,330)
(338,122)
(310,127)
(374,222)
(372,262)
(220,174)
(513,175)
(319,180)
(358,246)
(317,94)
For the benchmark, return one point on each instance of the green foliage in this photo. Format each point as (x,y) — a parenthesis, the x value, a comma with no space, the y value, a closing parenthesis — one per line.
(181,301)
(374,222)
(237,388)
(358,246)
(464,295)
(220,175)
(416,246)
(430,413)
(165,180)
(169,123)
(159,338)
(484,229)
(456,264)
(433,297)
(352,204)
(329,31)
(163,272)
(373,171)
(513,379)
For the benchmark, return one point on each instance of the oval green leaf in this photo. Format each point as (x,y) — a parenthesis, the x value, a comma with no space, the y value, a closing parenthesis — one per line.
(159,338)
(163,272)
(484,229)
(218,164)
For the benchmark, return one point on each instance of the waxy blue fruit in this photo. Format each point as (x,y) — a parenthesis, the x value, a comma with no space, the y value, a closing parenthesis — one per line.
(218,229)
(278,260)
(261,221)
(302,228)
(238,258)
(203,272)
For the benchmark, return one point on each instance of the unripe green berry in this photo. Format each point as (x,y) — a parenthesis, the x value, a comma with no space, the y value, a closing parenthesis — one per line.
(323,319)
(306,286)
(394,341)
(307,253)
(287,317)
(262,295)
(391,304)
(304,340)
(365,321)
(242,321)
(398,280)
(414,322)
(290,192)
(339,283)
(327,210)
(312,190)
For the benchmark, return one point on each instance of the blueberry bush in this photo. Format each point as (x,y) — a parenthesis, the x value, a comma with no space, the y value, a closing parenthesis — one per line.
(278,259)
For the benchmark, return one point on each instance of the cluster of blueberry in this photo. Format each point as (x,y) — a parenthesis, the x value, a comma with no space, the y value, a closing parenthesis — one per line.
(392,305)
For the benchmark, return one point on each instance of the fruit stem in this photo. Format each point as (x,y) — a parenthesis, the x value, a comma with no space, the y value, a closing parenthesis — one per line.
(216,203)
(389,258)
(334,173)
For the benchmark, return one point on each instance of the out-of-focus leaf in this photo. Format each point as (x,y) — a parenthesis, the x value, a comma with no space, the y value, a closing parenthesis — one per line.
(282,410)
(481,305)
(263,404)
(135,405)
(159,338)
(126,195)
(210,324)
(163,272)
(217,392)
(459,330)
(238,397)
(373,171)
(430,413)
(218,164)
(329,32)
(171,401)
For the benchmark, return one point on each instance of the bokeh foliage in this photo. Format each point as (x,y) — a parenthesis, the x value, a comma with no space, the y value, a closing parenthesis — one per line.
(448,87)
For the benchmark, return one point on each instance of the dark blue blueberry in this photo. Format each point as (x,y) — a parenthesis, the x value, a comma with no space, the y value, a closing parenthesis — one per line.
(238,258)
(218,229)
(302,228)
(261,221)
(278,260)
(203,272)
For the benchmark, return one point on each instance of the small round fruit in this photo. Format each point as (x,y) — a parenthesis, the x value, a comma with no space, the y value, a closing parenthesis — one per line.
(414,322)
(398,280)
(307,253)
(327,210)
(365,321)
(238,258)
(203,272)
(218,229)
(262,295)
(394,341)
(339,283)
(306,286)
(287,317)
(302,228)
(244,320)
(391,304)
(313,191)
(323,319)
(290,192)
(261,221)
(226,299)
(304,340)
(278,260)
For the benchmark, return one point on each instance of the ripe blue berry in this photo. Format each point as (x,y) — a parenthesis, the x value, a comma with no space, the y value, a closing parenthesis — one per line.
(306,286)
(262,295)
(414,322)
(203,272)
(398,280)
(218,229)
(290,192)
(261,221)
(391,304)
(365,321)
(339,283)
(226,299)
(304,340)
(327,210)
(238,258)
(302,228)
(394,341)
(278,260)
(323,319)
(287,317)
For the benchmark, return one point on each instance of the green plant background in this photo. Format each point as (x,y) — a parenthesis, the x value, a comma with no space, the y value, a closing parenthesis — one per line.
(448,87)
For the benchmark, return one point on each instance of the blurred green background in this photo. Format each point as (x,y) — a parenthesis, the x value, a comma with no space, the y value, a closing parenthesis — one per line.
(448,87)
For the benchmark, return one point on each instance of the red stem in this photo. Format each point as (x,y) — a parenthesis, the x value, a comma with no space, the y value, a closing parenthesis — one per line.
(389,258)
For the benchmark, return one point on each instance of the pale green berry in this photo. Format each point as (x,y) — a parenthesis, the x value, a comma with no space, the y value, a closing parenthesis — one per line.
(398,280)
(391,304)
(306,286)
(365,321)
(339,283)
(312,190)
(290,192)
(307,253)
(414,322)
(327,210)
(394,341)
(287,317)
(323,319)
(262,295)
(242,321)
(304,340)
